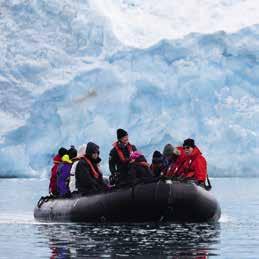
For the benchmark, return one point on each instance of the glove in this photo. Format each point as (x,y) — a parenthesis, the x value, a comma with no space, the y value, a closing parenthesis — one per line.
(114,178)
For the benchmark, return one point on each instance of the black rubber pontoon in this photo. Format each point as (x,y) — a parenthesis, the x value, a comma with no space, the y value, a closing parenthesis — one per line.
(158,201)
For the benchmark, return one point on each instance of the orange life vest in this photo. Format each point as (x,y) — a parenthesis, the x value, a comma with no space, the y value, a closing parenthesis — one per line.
(94,173)
(120,153)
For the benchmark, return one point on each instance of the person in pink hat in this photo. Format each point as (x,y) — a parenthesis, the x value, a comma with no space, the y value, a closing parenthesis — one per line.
(139,169)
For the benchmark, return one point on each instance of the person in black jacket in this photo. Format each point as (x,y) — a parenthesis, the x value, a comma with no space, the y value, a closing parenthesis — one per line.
(159,165)
(89,179)
(139,169)
(119,158)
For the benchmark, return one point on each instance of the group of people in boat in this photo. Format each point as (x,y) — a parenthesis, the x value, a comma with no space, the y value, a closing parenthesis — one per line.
(78,171)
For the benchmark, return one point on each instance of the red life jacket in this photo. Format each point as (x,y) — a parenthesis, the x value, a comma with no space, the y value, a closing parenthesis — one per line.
(175,168)
(195,166)
(95,173)
(188,171)
(120,153)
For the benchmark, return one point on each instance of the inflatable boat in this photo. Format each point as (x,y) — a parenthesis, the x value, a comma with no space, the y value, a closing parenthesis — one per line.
(170,201)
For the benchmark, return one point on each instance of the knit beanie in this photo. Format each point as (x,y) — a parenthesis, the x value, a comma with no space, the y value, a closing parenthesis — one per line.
(189,143)
(72,152)
(121,133)
(62,151)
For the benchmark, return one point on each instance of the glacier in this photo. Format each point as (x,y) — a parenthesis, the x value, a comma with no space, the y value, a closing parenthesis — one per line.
(141,23)
(67,78)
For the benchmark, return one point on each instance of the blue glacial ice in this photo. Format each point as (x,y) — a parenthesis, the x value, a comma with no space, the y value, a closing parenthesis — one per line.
(65,79)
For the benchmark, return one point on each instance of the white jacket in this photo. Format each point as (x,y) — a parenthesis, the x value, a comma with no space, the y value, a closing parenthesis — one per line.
(72,180)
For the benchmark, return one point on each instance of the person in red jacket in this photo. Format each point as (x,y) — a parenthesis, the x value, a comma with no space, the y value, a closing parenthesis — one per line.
(54,170)
(195,165)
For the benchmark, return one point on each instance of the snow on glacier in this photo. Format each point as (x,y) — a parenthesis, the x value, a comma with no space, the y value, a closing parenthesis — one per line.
(66,79)
(142,23)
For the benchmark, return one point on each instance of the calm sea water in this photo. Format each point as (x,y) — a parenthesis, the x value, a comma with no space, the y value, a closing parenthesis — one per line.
(235,236)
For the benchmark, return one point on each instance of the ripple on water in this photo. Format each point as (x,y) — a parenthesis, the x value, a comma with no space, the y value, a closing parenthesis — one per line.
(138,239)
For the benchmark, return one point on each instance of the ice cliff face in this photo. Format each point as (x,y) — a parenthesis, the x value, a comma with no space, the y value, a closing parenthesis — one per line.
(66,79)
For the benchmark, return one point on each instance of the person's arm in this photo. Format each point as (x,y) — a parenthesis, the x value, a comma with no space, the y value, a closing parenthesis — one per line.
(113,178)
(112,162)
(201,169)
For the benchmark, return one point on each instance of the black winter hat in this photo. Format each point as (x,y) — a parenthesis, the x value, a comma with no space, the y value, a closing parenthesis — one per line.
(72,152)
(121,133)
(189,143)
(157,157)
(62,151)
(91,148)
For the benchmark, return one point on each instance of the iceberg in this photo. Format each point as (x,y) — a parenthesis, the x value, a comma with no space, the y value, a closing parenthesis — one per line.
(66,78)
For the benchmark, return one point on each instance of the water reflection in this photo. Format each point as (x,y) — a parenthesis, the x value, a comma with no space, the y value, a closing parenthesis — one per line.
(142,240)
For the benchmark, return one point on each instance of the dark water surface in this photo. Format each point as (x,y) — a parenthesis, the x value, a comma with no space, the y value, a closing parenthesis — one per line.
(235,236)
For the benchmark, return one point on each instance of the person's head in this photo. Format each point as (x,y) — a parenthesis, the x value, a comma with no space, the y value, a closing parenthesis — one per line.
(92,150)
(122,136)
(188,146)
(168,151)
(72,152)
(157,158)
(62,151)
